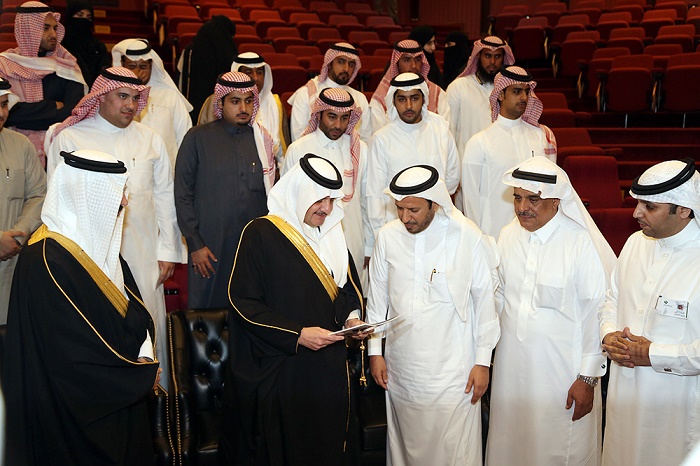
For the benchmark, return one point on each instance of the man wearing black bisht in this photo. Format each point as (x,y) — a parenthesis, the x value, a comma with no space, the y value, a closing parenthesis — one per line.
(287,393)
(78,360)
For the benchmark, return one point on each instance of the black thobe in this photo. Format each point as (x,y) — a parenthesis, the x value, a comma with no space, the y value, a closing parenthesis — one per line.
(40,115)
(74,394)
(219,188)
(284,404)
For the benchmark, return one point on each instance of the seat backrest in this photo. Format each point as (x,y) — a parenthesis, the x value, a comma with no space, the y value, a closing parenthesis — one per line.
(533,21)
(281,59)
(334,20)
(678,29)
(561,7)
(623,33)
(303,50)
(663,13)
(680,7)
(553,99)
(663,49)
(371,62)
(281,31)
(616,225)
(246,30)
(683,59)
(352,7)
(610,52)
(185,28)
(581,19)
(595,179)
(374,21)
(257,15)
(572,137)
(600,4)
(180,10)
(295,18)
(642,3)
(692,13)
(625,16)
(583,35)
(359,36)
(260,49)
(633,61)
(522,9)
(323,33)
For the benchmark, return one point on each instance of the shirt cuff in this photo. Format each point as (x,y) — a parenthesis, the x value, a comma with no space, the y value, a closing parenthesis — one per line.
(483,357)
(353,315)
(146,350)
(606,328)
(593,365)
(374,345)
(663,358)
(195,242)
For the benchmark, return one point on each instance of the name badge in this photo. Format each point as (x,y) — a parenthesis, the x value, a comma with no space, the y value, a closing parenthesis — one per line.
(672,308)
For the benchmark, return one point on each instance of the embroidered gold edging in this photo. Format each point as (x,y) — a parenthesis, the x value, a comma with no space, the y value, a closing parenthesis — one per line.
(359,294)
(48,269)
(178,429)
(152,330)
(235,260)
(108,288)
(280,112)
(309,254)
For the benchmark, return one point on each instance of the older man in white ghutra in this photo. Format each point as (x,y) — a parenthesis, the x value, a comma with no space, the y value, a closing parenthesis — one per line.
(650,324)
(545,403)
(332,134)
(514,136)
(431,267)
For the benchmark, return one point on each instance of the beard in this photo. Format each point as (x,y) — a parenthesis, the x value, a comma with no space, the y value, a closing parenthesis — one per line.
(484,75)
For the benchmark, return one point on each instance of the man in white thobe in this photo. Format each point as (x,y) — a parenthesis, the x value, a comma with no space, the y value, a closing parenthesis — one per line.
(545,399)
(431,267)
(650,324)
(341,64)
(408,56)
(167,112)
(514,136)
(468,95)
(332,134)
(414,136)
(152,245)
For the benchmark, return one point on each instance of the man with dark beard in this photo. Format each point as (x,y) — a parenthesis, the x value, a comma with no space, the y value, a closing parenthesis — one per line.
(468,95)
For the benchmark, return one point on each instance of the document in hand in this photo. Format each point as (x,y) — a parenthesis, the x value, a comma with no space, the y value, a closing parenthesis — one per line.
(362,327)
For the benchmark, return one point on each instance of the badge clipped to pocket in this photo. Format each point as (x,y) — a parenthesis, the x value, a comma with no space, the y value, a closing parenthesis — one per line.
(672,308)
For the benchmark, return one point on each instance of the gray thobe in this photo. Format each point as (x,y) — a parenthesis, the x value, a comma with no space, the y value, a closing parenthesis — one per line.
(218,190)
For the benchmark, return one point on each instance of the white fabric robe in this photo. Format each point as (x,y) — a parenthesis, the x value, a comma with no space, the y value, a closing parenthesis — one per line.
(431,420)
(301,108)
(150,231)
(487,156)
(399,145)
(552,283)
(167,115)
(470,110)
(355,222)
(652,412)
(380,118)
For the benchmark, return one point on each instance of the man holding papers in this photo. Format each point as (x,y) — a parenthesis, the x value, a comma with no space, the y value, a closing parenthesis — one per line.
(433,267)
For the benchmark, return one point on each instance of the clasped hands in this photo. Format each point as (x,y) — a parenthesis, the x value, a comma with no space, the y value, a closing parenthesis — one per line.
(627,349)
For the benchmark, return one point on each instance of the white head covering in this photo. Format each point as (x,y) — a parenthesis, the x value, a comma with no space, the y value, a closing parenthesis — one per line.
(5,86)
(253,60)
(672,182)
(311,179)
(463,236)
(406,82)
(541,175)
(82,203)
(140,49)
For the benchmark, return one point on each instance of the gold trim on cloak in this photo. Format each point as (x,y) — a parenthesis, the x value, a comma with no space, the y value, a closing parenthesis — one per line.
(309,254)
(108,288)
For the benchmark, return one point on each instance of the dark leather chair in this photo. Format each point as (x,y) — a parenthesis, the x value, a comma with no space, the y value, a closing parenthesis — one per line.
(164,454)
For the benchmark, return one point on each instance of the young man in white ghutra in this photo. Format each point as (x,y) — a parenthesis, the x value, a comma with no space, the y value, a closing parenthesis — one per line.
(414,136)
(468,95)
(545,403)
(514,136)
(650,324)
(431,267)
(340,67)
(332,134)
(167,112)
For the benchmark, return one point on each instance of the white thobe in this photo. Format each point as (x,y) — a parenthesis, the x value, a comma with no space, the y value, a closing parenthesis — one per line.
(380,118)
(301,104)
(552,283)
(150,231)
(400,145)
(167,115)
(652,412)
(487,156)
(430,418)
(355,222)
(470,109)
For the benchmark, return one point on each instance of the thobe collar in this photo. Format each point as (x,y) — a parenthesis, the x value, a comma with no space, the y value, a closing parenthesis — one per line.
(409,128)
(507,122)
(330,83)
(325,142)
(106,125)
(547,230)
(481,82)
(235,129)
(690,232)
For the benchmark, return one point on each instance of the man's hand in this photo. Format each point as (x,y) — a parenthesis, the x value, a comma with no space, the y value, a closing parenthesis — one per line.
(479,381)
(59,105)
(581,394)
(615,344)
(377,367)
(355,322)
(9,247)
(316,338)
(637,349)
(201,261)
(166,271)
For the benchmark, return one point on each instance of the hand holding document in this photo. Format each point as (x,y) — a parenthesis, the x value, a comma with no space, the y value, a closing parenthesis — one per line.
(362,328)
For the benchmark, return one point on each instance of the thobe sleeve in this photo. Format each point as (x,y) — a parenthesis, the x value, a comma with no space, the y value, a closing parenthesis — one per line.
(452,176)
(169,242)
(182,122)
(487,330)
(453,100)
(34,193)
(443,105)
(366,122)
(291,158)
(590,289)
(472,166)
(378,116)
(362,183)
(53,154)
(607,313)
(301,112)
(185,181)
(681,359)
(376,183)
(247,295)
(378,300)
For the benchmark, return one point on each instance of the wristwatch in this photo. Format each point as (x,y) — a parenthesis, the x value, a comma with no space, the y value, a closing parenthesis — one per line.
(592,381)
